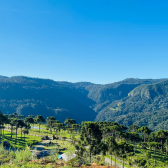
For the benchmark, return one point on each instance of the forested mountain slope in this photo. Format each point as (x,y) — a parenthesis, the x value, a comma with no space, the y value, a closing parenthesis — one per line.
(142,103)
(46,97)
(81,101)
(156,120)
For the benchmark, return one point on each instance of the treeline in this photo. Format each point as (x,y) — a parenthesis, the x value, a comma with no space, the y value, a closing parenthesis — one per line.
(24,123)
(16,121)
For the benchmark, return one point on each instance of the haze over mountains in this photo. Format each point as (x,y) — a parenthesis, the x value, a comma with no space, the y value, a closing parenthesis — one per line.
(140,101)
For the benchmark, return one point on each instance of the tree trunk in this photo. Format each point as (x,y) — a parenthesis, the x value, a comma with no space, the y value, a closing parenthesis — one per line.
(103,137)
(161,146)
(123,161)
(39,127)
(11,131)
(90,157)
(1,129)
(144,137)
(21,132)
(155,156)
(115,159)
(111,159)
(16,132)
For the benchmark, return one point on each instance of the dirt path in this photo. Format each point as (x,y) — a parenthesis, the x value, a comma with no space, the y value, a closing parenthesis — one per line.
(40,147)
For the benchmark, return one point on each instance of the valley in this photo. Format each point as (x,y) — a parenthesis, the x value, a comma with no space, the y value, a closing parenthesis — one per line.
(84,101)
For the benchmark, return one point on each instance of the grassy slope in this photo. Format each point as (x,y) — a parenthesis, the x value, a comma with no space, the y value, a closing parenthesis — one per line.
(19,142)
(161,159)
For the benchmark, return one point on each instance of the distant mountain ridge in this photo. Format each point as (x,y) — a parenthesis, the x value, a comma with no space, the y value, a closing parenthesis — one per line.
(81,100)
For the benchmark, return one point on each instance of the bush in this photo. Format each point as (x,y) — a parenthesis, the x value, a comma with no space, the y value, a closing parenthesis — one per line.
(44,138)
(23,156)
(12,155)
(64,138)
(87,164)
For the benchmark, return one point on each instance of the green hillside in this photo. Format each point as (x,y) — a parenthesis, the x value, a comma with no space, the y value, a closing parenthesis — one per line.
(142,104)
(83,100)
(37,96)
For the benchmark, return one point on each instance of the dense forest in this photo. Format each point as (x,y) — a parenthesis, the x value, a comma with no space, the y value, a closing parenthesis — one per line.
(131,101)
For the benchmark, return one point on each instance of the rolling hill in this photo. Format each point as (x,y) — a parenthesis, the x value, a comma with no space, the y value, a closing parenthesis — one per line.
(82,100)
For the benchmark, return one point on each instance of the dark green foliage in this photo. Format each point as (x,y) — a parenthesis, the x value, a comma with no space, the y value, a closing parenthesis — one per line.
(145,130)
(39,120)
(50,122)
(140,162)
(29,120)
(134,128)
(154,120)
(133,137)
(45,97)
(69,122)
(140,103)
(112,146)
(91,135)
(124,148)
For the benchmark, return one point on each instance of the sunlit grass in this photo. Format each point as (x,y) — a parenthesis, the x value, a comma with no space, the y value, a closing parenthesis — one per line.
(61,145)
(20,142)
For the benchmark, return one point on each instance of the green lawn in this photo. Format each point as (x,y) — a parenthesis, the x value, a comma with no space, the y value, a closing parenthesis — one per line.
(62,133)
(19,142)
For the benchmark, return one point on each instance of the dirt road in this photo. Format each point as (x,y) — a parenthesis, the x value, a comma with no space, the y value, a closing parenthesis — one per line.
(40,147)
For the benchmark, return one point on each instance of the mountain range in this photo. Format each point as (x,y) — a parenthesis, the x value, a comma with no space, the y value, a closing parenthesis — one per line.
(131,101)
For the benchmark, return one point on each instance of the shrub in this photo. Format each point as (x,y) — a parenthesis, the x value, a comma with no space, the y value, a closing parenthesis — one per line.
(12,154)
(44,138)
(23,155)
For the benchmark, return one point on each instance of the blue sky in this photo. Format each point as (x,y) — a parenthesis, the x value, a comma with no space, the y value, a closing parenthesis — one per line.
(100,41)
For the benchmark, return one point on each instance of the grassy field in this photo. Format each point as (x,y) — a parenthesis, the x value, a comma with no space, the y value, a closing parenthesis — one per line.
(62,133)
(20,142)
